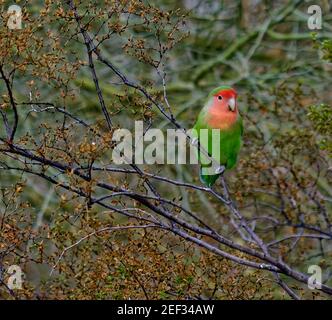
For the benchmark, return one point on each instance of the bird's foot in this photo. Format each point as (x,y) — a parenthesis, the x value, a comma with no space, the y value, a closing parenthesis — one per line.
(194,141)
(220,170)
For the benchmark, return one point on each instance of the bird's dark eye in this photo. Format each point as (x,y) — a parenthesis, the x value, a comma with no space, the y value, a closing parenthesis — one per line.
(220,97)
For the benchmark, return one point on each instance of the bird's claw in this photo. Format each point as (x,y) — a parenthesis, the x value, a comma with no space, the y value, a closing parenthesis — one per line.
(194,141)
(220,170)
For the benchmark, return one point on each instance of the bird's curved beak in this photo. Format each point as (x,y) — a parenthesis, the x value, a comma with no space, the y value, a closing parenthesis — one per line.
(231,104)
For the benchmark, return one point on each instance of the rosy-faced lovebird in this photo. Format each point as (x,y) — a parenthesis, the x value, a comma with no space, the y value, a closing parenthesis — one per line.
(219,130)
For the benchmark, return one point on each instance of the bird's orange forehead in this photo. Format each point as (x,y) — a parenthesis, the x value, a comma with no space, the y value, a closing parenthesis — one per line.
(227,93)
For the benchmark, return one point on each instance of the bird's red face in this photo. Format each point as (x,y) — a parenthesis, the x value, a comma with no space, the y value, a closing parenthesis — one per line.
(225,100)
(223,112)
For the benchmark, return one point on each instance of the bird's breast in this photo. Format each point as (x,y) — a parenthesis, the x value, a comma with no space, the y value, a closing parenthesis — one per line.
(221,120)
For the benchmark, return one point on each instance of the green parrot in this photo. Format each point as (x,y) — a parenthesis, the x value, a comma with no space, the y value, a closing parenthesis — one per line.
(219,130)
